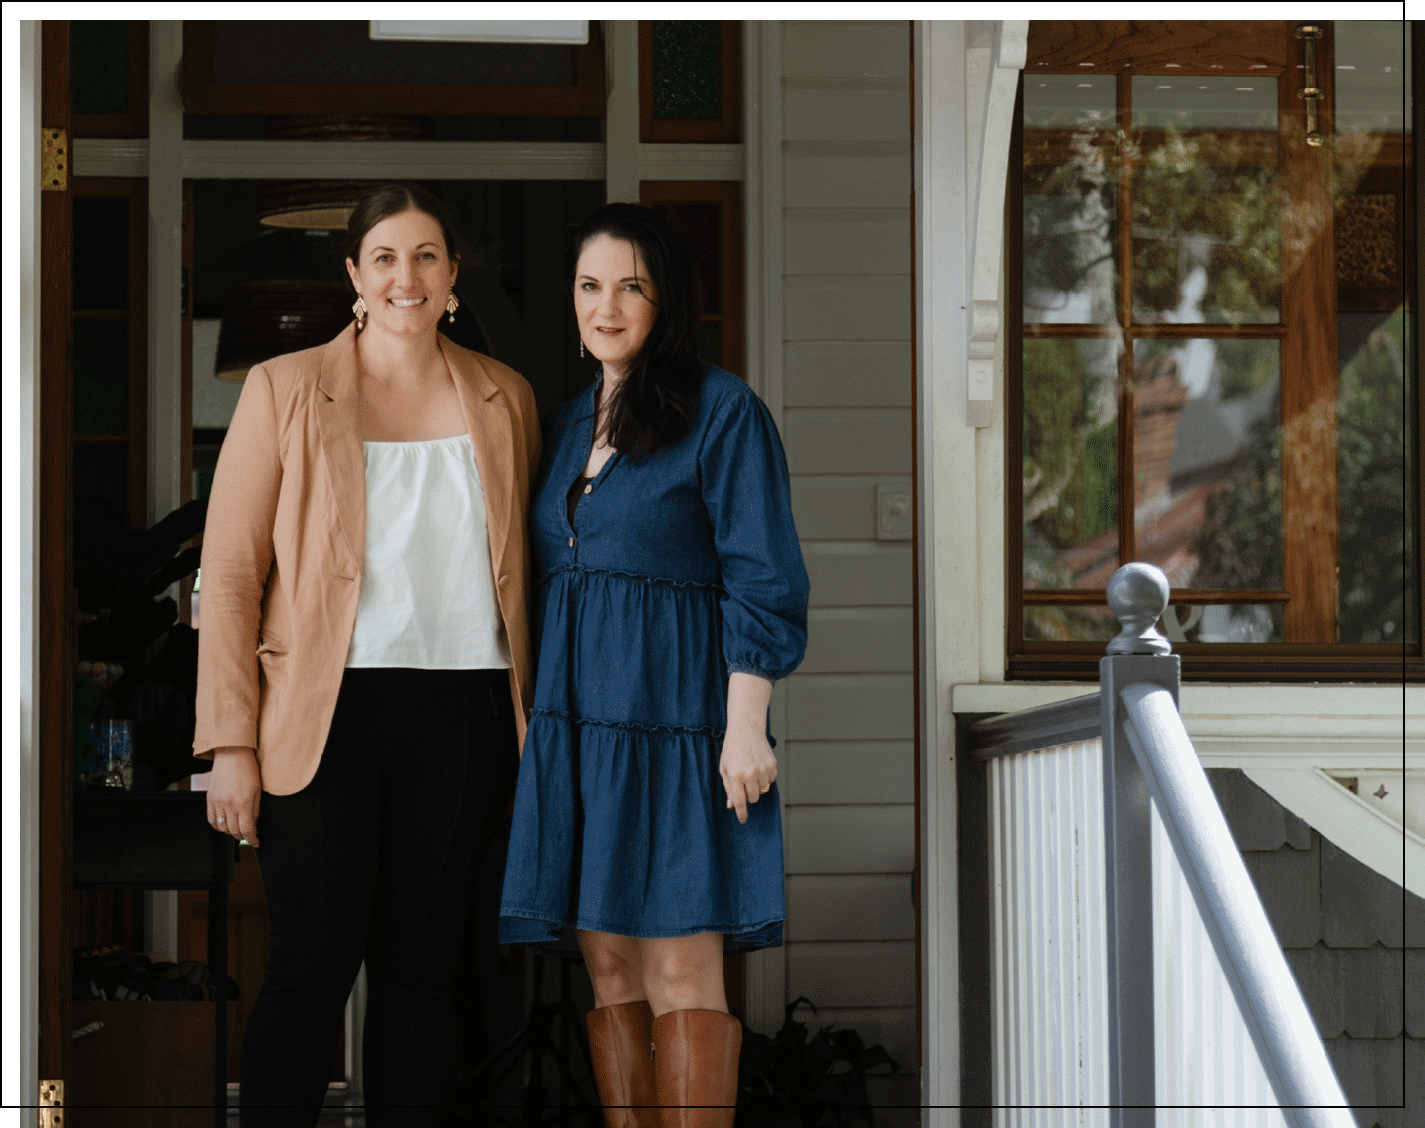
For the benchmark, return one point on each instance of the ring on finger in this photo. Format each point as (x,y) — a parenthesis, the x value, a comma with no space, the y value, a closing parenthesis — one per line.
(222,822)
(766,787)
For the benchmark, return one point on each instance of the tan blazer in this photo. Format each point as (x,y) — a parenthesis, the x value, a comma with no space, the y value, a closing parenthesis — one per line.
(286,538)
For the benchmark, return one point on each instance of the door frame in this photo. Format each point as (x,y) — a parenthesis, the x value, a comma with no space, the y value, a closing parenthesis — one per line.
(36,808)
(172,162)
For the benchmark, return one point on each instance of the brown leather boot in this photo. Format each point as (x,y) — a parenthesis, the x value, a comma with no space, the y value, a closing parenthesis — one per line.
(621,1046)
(695,1063)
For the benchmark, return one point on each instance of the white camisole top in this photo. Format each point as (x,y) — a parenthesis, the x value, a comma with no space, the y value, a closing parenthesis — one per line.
(427,593)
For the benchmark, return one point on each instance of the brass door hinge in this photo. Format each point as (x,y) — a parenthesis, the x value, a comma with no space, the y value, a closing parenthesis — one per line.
(51,1104)
(54,160)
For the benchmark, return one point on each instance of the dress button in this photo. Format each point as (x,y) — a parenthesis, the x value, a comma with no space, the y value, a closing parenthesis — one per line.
(588,489)
(571,542)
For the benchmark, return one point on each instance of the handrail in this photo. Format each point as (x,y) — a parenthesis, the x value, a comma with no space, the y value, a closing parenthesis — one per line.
(1029,730)
(1139,686)
(1148,759)
(1264,987)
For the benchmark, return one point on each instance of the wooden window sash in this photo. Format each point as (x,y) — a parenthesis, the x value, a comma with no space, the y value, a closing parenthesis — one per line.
(727,195)
(135,435)
(728,128)
(134,123)
(1308,368)
(203,95)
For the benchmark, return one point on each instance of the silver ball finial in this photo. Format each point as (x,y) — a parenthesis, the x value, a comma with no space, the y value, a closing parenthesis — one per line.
(1138,595)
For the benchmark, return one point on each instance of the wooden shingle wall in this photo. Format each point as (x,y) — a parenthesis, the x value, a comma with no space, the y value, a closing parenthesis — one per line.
(1356,944)
(848,781)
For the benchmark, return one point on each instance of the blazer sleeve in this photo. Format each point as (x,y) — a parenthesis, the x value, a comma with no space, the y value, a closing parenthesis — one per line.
(748,497)
(237,559)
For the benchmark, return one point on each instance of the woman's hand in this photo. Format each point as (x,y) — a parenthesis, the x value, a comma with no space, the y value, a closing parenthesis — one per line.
(234,793)
(747,766)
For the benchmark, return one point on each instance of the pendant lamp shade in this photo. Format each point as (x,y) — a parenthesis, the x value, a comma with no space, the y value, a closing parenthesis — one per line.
(325,205)
(266,319)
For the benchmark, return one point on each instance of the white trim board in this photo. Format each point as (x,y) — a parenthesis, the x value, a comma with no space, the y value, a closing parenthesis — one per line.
(1263,726)
(766,994)
(1348,821)
(947,507)
(1384,711)
(19,815)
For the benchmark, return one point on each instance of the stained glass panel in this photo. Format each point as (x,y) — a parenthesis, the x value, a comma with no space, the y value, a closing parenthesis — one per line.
(687,70)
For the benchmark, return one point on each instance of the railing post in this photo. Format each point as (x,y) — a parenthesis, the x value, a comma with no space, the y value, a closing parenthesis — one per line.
(1138,595)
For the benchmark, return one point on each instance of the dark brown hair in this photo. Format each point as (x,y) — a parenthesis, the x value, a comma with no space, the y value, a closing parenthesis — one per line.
(657,399)
(387,200)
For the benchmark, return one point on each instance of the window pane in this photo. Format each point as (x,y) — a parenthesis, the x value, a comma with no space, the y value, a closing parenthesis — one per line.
(1375,455)
(1070,194)
(101,377)
(102,471)
(1246,622)
(1376,578)
(1372,75)
(1070,463)
(101,254)
(99,66)
(1206,208)
(709,338)
(701,225)
(687,70)
(1207,485)
(1069,624)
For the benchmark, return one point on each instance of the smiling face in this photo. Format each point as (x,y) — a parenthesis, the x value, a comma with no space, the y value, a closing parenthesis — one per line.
(614,301)
(405,274)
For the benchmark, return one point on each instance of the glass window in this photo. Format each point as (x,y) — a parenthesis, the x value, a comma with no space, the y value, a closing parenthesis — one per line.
(1215,368)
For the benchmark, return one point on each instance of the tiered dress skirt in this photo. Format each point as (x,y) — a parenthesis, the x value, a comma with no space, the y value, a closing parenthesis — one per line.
(621,821)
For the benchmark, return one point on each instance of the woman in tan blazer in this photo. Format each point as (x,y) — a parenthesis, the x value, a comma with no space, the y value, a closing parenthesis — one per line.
(364,665)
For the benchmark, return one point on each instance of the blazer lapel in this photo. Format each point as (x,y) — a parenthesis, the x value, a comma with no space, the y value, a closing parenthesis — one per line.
(489,425)
(341,441)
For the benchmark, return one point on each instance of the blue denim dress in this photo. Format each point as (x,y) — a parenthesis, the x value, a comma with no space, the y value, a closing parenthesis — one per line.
(677,569)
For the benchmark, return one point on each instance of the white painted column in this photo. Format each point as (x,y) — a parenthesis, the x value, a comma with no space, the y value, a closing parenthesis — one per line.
(19,815)
(621,120)
(949,580)
(165,327)
(762,227)
(762,207)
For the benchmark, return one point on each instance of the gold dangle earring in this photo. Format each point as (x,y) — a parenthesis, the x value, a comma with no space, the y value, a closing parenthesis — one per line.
(452,303)
(358,311)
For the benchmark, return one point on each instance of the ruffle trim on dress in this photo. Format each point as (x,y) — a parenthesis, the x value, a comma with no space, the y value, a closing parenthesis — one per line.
(632,726)
(536,929)
(661,581)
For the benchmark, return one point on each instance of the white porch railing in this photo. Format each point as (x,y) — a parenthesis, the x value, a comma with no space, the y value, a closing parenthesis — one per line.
(1135,979)
(1049,1002)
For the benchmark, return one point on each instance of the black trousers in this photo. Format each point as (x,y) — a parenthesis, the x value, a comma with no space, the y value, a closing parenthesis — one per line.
(374,860)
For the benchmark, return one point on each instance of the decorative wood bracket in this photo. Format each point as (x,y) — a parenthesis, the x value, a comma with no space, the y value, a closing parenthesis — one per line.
(986,316)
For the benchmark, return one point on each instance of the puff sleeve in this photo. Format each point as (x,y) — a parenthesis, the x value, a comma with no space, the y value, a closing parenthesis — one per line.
(748,496)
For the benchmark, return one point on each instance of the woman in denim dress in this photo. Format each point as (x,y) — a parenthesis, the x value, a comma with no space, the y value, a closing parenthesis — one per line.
(670,596)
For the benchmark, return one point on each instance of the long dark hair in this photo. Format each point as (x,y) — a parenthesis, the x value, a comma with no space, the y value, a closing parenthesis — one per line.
(657,399)
(376,204)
